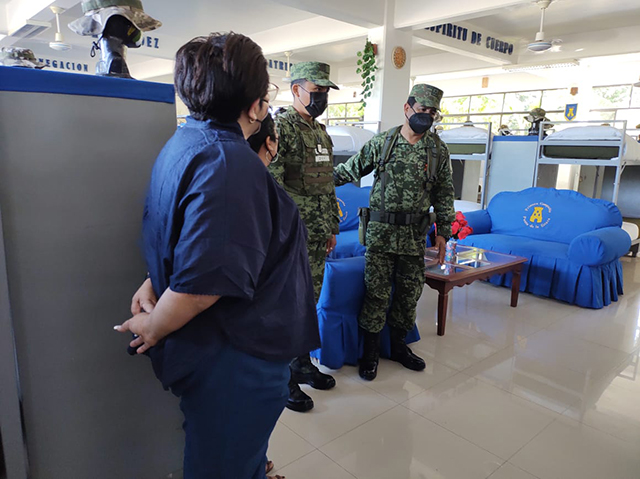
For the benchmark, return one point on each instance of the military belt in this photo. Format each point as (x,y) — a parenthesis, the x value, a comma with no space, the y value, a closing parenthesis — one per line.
(319,169)
(322,179)
(398,219)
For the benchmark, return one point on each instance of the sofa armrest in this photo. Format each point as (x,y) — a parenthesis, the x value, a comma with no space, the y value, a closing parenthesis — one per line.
(599,246)
(480,221)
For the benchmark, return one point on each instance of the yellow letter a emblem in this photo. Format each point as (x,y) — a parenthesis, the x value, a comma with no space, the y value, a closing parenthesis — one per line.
(536,217)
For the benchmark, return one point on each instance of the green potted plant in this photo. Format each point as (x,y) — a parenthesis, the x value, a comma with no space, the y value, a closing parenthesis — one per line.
(367,68)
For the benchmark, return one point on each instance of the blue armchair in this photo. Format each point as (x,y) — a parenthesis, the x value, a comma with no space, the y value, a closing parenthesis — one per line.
(573,243)
(350,198)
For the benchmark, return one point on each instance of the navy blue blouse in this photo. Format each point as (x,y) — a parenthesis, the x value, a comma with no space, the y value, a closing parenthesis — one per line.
(217,223)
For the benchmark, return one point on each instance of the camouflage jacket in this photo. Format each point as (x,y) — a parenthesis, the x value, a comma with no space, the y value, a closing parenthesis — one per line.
(408,174)
(298,141)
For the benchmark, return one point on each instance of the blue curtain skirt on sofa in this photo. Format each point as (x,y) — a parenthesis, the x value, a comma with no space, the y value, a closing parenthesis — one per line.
(340,302)
(550,273)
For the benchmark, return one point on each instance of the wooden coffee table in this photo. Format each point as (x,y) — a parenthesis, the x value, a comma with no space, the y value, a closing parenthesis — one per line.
(472,264)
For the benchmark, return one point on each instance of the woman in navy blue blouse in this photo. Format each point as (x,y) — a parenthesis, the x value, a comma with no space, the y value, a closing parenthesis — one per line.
(226,253)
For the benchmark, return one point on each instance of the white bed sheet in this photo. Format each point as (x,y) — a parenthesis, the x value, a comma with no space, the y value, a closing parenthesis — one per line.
(466,133)
(631,229)
(595,133)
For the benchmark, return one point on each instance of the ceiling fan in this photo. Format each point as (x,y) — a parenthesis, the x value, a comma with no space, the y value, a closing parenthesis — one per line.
(58,43)
(540,45)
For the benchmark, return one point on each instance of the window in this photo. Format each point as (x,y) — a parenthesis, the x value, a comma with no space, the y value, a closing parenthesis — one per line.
(487,103)
(632,116)
(494,119)
(516,122)
(635,97)
(612,96)
(522,101)
(617,102)
(340,113)
(455,119)
(455,105)
(556,99)
(602,115)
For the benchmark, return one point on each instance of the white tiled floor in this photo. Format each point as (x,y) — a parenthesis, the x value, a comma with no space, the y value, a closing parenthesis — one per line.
(542,391)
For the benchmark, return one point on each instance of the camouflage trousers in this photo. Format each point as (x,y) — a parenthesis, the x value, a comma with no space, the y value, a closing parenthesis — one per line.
(386,275)
(317,258)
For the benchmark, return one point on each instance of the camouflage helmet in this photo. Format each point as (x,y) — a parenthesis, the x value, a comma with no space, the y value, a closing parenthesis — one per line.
(427,95)
(536,114)
(98,12)
(19,57)
(315,72)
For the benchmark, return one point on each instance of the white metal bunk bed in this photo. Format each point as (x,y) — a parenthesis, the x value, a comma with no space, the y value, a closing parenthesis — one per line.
(592,145)
(470,143)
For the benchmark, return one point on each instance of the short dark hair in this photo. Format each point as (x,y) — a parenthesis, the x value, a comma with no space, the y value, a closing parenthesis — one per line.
(267,130)
(220,76)
(411,101)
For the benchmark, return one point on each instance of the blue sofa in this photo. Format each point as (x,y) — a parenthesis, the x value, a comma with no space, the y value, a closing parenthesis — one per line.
(573,243)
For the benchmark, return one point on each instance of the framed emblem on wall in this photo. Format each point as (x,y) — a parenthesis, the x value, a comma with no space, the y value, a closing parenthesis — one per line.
(399,57)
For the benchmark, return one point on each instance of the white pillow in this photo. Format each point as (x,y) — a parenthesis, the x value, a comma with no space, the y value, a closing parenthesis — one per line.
(594,133)
(464,133)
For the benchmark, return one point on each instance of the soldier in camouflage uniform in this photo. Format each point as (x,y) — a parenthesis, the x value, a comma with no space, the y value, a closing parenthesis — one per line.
(413,173)
(305,170)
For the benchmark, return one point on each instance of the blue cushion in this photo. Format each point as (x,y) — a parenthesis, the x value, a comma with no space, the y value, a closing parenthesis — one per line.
(348,245)
(600,246)
(479,220)
(350,198)
(550,214)
(517,245)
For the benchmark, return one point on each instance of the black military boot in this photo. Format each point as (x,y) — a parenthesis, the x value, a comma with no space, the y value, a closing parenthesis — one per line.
(401,353)
(298,401)
(303,371)
(370,356)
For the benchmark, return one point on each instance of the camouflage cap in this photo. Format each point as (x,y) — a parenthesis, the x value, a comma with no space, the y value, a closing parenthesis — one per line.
(536,114)
(315,72)
(98,12)
(427,95)
(19,57)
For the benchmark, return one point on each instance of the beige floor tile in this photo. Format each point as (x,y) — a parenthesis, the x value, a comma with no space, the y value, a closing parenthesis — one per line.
(491,418)
(400,444)
(336,411)
(567,449)
(400,384)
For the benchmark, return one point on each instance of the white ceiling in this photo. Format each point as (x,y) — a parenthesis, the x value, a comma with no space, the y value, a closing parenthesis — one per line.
(333,30)
(563,17)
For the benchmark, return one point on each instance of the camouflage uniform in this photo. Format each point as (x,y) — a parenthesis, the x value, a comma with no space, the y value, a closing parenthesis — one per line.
(395,253)
(305,170)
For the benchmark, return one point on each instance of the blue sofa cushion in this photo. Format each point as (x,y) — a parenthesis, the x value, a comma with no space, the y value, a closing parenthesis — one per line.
(550,214)
(479,220)
(350,198)
(517,245)
(600,246)
(348,245)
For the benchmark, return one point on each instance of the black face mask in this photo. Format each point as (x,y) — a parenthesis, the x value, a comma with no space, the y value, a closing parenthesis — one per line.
(318,104)
(420,122)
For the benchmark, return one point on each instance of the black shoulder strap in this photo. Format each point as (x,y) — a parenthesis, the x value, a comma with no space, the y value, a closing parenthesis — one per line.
(387,148)
(434,163)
